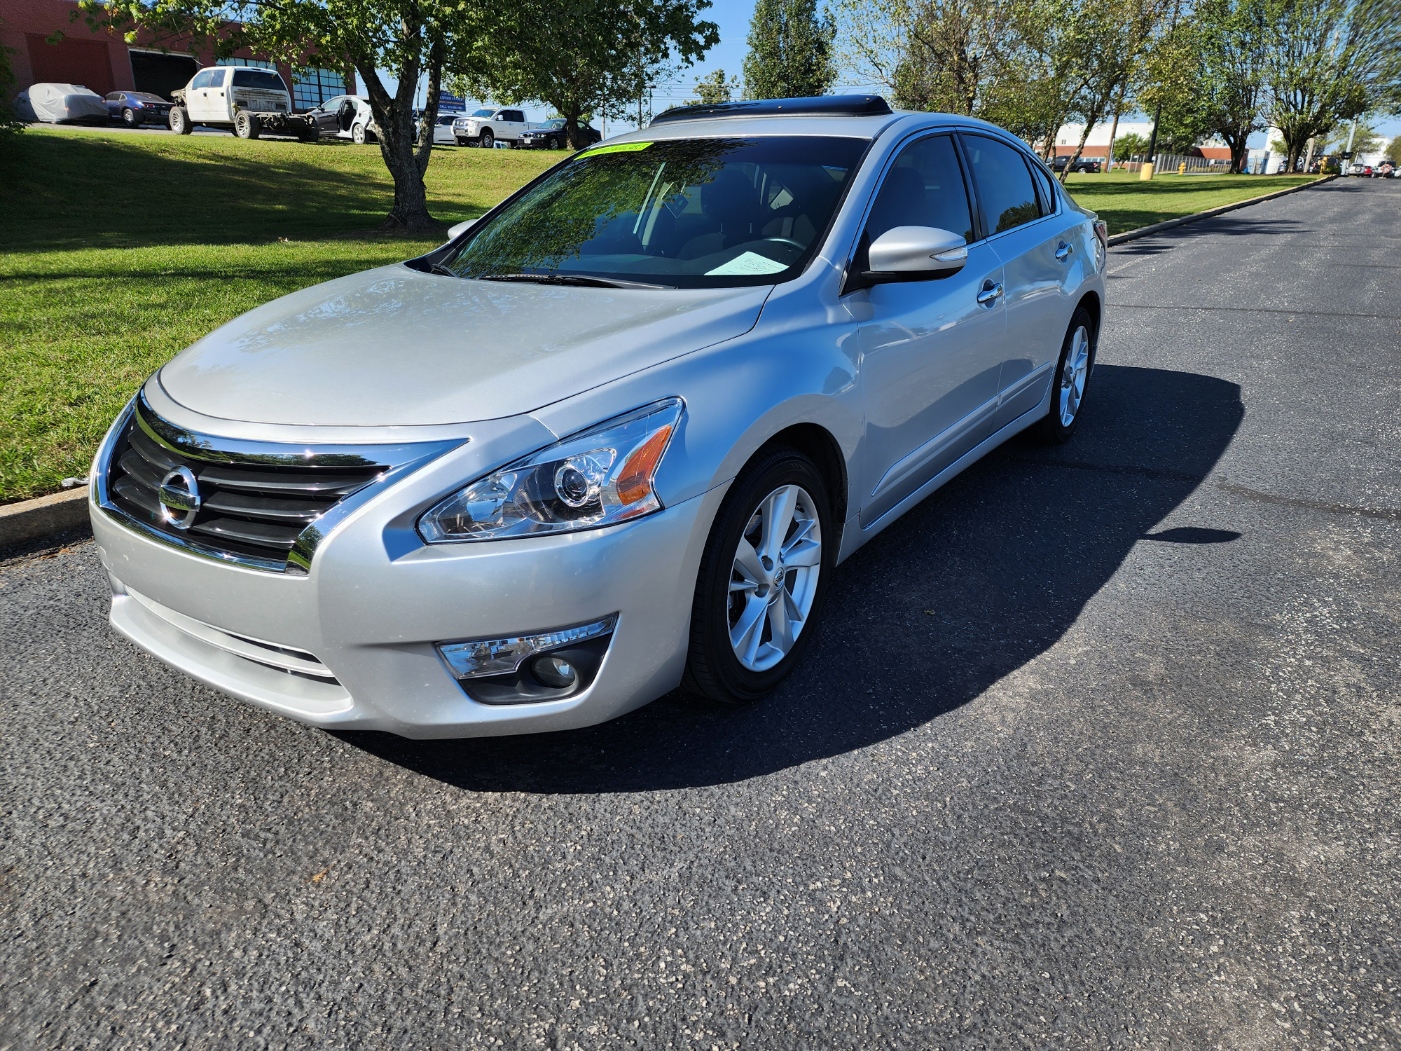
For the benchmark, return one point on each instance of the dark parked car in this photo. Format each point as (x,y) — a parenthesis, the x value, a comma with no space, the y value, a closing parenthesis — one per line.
(551,136)
(1083,164)
(134,108)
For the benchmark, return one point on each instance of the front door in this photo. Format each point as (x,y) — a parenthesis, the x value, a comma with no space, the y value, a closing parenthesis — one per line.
(932,349)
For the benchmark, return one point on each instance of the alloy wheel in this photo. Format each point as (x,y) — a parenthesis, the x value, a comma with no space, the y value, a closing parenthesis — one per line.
(1072,377)
(773,580)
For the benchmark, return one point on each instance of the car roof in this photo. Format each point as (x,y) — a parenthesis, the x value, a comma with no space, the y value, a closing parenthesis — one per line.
(742,124)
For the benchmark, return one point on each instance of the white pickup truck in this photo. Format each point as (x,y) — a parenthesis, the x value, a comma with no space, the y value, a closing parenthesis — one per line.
(248,101)
(487,127)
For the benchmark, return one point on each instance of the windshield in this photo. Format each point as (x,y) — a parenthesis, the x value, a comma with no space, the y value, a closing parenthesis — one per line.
(697,213)
(483,112)
(258,78)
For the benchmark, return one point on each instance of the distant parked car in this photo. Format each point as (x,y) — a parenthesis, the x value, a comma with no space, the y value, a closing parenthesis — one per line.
(485,126)
(61,104)
(1384,170)
(134,108)
(1082,164)
(443,130)
(248,101)
(551,136)
(346,117)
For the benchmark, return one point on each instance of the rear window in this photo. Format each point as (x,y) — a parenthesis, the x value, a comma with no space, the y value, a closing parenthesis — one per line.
(262,79)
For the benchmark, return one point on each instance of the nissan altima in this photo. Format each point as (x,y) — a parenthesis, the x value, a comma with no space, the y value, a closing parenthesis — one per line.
(611,439)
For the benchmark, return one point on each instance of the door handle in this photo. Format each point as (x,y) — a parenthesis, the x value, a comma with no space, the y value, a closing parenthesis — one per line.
(990,293)
(1063,251)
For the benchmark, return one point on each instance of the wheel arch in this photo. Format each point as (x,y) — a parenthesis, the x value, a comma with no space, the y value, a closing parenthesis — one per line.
(1091,302)
(820,446)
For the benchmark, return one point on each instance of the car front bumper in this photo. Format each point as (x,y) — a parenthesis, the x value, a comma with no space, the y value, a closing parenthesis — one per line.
(371,620)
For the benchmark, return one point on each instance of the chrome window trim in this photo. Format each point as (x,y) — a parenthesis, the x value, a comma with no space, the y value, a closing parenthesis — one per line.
(400,459)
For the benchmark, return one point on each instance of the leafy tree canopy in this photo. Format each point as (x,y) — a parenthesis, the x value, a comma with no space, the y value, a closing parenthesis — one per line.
(790,51)
(580,56)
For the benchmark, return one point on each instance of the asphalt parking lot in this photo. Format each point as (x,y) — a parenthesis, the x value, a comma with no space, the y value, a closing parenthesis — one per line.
(1096,748)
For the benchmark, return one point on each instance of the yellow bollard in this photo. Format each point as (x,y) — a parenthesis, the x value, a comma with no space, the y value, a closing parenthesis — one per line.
(1146,172)
(1182,168)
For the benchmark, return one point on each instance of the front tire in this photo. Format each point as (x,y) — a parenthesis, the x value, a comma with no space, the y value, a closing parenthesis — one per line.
(180,121)
(1072,375)
(486,140)
(762,578)
(553,144)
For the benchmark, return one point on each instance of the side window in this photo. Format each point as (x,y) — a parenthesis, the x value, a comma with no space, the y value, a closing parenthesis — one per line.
(1004,183)
(514,116)
(923,188)
(1045,190)
(204,78)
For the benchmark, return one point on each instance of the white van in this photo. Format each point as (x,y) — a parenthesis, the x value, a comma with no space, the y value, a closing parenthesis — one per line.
(246,100)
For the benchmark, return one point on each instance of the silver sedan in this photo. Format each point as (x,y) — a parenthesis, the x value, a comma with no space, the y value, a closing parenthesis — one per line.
(611,439)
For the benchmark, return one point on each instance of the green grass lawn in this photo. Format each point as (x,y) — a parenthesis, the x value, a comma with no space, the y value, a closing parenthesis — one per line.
(117,250)
(1126,203)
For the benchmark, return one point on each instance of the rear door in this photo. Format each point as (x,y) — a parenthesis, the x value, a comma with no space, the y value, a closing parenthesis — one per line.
(1027,231)
(931,351)
(513,123)
(197,95)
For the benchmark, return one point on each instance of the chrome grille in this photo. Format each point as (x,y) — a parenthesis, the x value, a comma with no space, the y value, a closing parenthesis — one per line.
(246,509)
(262,504)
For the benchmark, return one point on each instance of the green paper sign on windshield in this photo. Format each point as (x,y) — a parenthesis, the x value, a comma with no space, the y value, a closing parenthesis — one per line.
(618,147)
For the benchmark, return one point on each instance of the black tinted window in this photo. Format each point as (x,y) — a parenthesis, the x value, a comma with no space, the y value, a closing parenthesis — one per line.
(264,79)
(1004,184)
(924,188)
(1045,190)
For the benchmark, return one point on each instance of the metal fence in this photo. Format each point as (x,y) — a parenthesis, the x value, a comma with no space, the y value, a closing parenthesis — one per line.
(1176,162)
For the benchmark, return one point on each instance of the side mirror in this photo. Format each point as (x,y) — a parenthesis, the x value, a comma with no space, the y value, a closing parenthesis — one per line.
(461,228)
(915,253)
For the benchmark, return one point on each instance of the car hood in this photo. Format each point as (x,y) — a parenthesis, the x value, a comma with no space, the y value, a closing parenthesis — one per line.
(396,347)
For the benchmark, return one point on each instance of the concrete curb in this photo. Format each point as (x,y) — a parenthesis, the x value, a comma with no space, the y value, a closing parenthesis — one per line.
(1168,224)
(32,519)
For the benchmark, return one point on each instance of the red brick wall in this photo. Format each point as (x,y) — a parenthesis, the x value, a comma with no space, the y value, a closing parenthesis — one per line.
(78,58)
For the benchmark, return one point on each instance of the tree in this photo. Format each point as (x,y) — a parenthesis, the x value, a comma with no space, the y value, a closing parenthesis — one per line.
(601,63)
(1126,147)
(714,89)
(1230,38)
(1105,42)
(790,51)
(1329,61)
(1364,140)
(1393,150)
(9,123)
(409,37)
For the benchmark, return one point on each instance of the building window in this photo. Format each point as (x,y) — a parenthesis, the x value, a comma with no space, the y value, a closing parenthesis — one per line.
(311,87)
(251,63)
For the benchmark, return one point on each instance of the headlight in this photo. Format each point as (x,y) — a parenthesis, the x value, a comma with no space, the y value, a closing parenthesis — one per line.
(593,479)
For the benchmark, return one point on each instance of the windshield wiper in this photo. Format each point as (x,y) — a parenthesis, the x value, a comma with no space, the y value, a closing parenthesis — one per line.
(439,268)
(585,280)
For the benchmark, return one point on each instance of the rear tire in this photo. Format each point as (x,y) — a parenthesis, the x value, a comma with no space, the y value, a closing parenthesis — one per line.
(762,579)
(129,117)
(180,121)
(486,140)
(246,127)
(1070,380)
(357,134)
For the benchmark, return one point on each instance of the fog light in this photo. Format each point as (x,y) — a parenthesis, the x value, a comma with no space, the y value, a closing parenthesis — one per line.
(554,672)
(479,658)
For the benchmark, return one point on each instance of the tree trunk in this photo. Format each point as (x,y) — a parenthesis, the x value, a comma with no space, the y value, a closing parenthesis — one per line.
(572,134)
(429,119)
(394,117)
